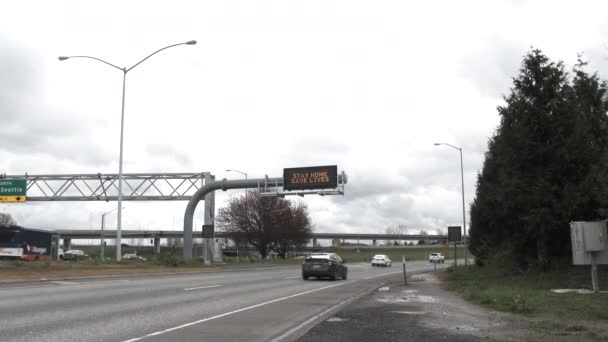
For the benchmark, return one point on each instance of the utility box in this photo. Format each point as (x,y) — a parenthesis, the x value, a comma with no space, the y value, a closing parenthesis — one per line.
(594,236)
(588,237)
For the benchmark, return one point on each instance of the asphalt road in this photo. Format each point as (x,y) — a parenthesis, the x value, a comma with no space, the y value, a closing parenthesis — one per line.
(262,304)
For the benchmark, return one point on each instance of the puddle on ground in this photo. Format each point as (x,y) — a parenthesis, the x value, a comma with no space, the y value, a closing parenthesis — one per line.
(384,288)
(466,328)
(410,312)
(416,279)
(579,291)
(335,319)
(407,299)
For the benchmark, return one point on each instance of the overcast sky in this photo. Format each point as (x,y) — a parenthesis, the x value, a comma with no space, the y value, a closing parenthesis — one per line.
(366,85)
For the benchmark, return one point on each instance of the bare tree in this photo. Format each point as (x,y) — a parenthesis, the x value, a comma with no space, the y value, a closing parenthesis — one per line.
(7,220)
(391,230)
(402,231)
(295,229)
(266,223)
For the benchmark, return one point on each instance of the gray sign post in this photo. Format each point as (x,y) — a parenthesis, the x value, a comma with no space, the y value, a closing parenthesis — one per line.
(319,179)
(454,235)
(209,219)
(200,194)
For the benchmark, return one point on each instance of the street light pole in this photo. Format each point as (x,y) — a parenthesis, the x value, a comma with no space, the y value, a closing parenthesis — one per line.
(103,223)
(246,204)
(122,122)
(464,223)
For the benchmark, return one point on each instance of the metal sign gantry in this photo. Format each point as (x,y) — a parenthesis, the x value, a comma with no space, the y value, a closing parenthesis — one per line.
(104,187)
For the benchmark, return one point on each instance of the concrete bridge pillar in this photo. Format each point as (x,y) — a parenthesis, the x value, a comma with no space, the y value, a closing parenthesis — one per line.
(67,244)
(314,242)
(374,242)
(156,245)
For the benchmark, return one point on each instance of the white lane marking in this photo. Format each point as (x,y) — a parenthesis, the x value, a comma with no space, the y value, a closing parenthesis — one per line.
(381,275)
(113,281)
(60,282)
(313,318)
(231,313)
(201,287)
(296,277)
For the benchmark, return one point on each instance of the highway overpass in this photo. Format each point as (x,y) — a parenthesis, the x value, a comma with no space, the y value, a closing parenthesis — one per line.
(96,234)
(67,235)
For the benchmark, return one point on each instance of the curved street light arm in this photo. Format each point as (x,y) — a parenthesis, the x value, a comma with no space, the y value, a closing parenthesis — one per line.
(62,58)
(191,42)
(458,148)
(243,173)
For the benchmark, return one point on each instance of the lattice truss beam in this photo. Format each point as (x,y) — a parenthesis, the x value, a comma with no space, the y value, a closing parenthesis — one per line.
(104,187)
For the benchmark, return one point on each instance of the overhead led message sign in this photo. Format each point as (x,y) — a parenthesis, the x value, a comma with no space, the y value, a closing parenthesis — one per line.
(310,178)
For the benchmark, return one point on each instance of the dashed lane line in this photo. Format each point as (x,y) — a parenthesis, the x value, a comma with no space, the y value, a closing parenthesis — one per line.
(201,287)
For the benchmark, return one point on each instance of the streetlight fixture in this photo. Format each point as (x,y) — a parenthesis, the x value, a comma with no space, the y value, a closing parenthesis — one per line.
(464,222)
(246,203)
(124,70)
(103,223)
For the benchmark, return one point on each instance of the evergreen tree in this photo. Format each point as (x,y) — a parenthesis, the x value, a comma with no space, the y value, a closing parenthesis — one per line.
(541,169)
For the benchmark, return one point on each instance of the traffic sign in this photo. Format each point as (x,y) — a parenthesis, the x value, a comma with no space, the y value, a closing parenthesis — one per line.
(310,178)
(454,234)
(13,190)
(208,231)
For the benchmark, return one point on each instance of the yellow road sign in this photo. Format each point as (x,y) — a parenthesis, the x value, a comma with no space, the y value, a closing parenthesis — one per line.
(12,198)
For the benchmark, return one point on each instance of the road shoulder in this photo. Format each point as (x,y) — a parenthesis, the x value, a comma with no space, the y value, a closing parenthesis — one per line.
(419,311)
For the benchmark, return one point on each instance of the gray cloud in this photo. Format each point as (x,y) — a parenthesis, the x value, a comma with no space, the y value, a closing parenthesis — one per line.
(316,150)
(28,125)
(492,66)
(168,151)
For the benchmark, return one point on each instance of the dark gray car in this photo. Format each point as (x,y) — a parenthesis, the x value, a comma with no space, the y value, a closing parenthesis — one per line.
(324,265)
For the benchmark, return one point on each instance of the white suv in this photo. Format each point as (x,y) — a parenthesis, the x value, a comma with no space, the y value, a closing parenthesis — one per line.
(381,260)
(436,257)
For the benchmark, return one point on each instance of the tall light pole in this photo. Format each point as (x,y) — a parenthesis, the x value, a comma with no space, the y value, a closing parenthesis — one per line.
(103,223)
(246,204)
(464,221)
(124,70)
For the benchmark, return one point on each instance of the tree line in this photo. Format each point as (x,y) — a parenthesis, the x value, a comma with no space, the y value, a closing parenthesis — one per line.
(545,165)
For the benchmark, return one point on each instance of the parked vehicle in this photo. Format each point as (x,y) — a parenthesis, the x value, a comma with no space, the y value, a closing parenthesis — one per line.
(324,265)
(133,256)
(436,257)
(75,254)
(28,244)
(381,260)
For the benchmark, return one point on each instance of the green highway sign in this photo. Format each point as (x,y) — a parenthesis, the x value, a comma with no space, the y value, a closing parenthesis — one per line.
(13,190)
